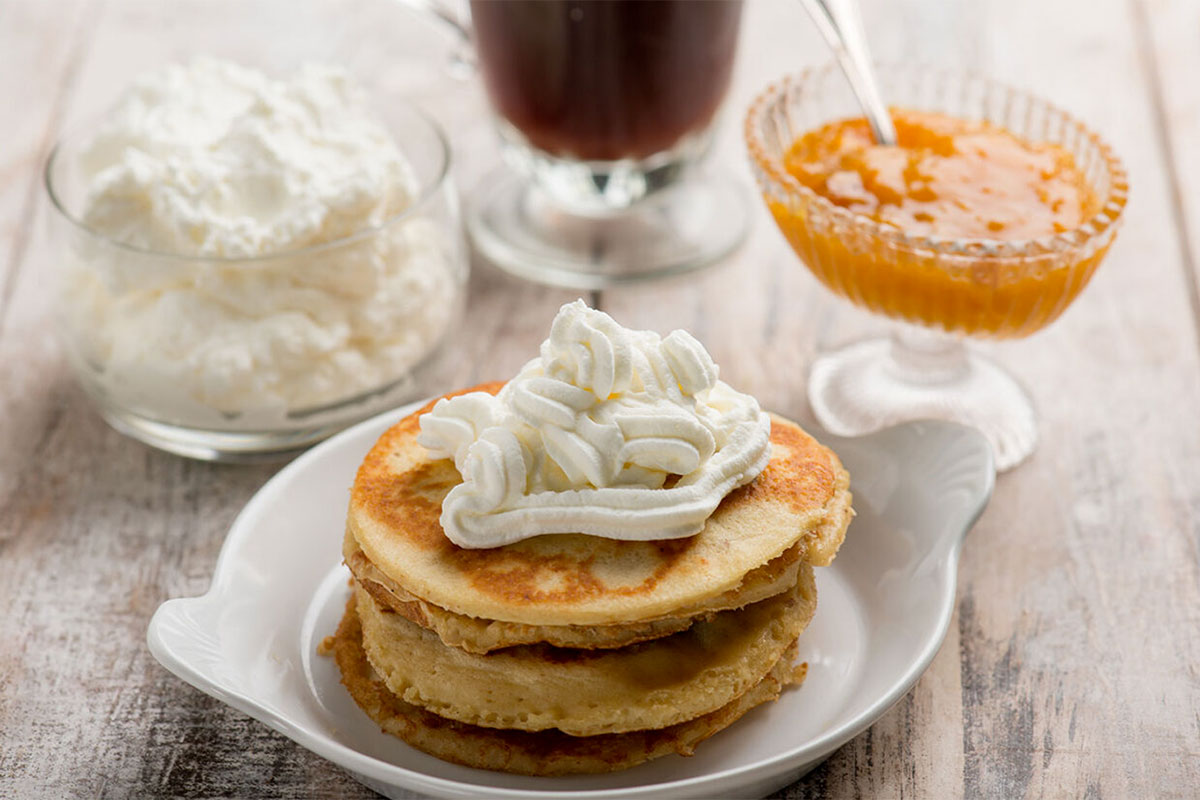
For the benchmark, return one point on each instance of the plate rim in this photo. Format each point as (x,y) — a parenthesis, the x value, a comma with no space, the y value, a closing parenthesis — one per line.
(394,775)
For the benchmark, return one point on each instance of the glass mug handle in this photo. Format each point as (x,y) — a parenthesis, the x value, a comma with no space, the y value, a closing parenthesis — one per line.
(453,18)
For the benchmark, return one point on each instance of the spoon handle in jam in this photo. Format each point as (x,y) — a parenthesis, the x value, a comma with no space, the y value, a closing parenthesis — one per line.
(841,24)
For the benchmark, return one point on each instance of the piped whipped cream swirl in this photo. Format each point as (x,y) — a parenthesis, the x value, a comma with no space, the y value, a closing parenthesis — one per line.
(610,432)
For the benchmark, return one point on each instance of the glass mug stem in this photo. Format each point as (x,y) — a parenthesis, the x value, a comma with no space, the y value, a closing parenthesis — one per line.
(601,189)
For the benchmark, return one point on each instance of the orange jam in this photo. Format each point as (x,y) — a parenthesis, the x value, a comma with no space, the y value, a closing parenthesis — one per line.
(952,179)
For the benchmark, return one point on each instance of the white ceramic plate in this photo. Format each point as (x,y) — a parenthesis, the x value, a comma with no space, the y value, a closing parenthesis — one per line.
(279,588)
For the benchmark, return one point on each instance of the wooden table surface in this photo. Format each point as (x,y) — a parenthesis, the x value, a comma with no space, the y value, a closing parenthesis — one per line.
(1070,669)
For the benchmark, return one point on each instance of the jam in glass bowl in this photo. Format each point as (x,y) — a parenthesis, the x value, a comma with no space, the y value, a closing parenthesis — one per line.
(987,220)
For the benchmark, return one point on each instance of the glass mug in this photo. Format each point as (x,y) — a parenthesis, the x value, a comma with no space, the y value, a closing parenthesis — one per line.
(605,110)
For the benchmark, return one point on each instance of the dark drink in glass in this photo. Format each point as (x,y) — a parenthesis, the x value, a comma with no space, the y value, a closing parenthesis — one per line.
(602,80)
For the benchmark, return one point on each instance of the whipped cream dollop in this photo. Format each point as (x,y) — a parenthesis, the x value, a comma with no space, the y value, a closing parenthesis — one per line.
(610,432)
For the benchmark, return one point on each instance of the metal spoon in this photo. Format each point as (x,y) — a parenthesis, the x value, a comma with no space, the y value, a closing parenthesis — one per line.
(841,24)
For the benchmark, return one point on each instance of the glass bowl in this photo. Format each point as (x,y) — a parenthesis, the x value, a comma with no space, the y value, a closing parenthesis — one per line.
(962,287)
(255,358)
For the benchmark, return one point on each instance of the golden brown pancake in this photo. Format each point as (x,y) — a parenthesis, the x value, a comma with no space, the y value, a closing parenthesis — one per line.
(587,692)
(483,636)
(545,753)
(572,579)
(567,653)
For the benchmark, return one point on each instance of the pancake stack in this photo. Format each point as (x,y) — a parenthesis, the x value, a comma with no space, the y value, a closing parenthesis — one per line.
(567,653)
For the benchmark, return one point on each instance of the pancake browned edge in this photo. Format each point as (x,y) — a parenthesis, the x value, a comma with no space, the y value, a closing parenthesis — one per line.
(543,753)
(484,635)
(649,685)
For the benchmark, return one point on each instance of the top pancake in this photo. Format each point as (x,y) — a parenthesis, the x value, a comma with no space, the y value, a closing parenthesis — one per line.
(573,579)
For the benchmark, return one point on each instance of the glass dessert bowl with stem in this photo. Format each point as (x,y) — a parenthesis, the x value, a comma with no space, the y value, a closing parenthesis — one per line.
(940,288)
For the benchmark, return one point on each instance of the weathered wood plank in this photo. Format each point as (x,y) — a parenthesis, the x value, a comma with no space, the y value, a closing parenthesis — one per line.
(1168,36)
(38,63)
(1096,547)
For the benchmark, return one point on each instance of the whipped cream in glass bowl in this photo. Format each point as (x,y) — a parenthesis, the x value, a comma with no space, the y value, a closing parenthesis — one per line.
(247,264)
